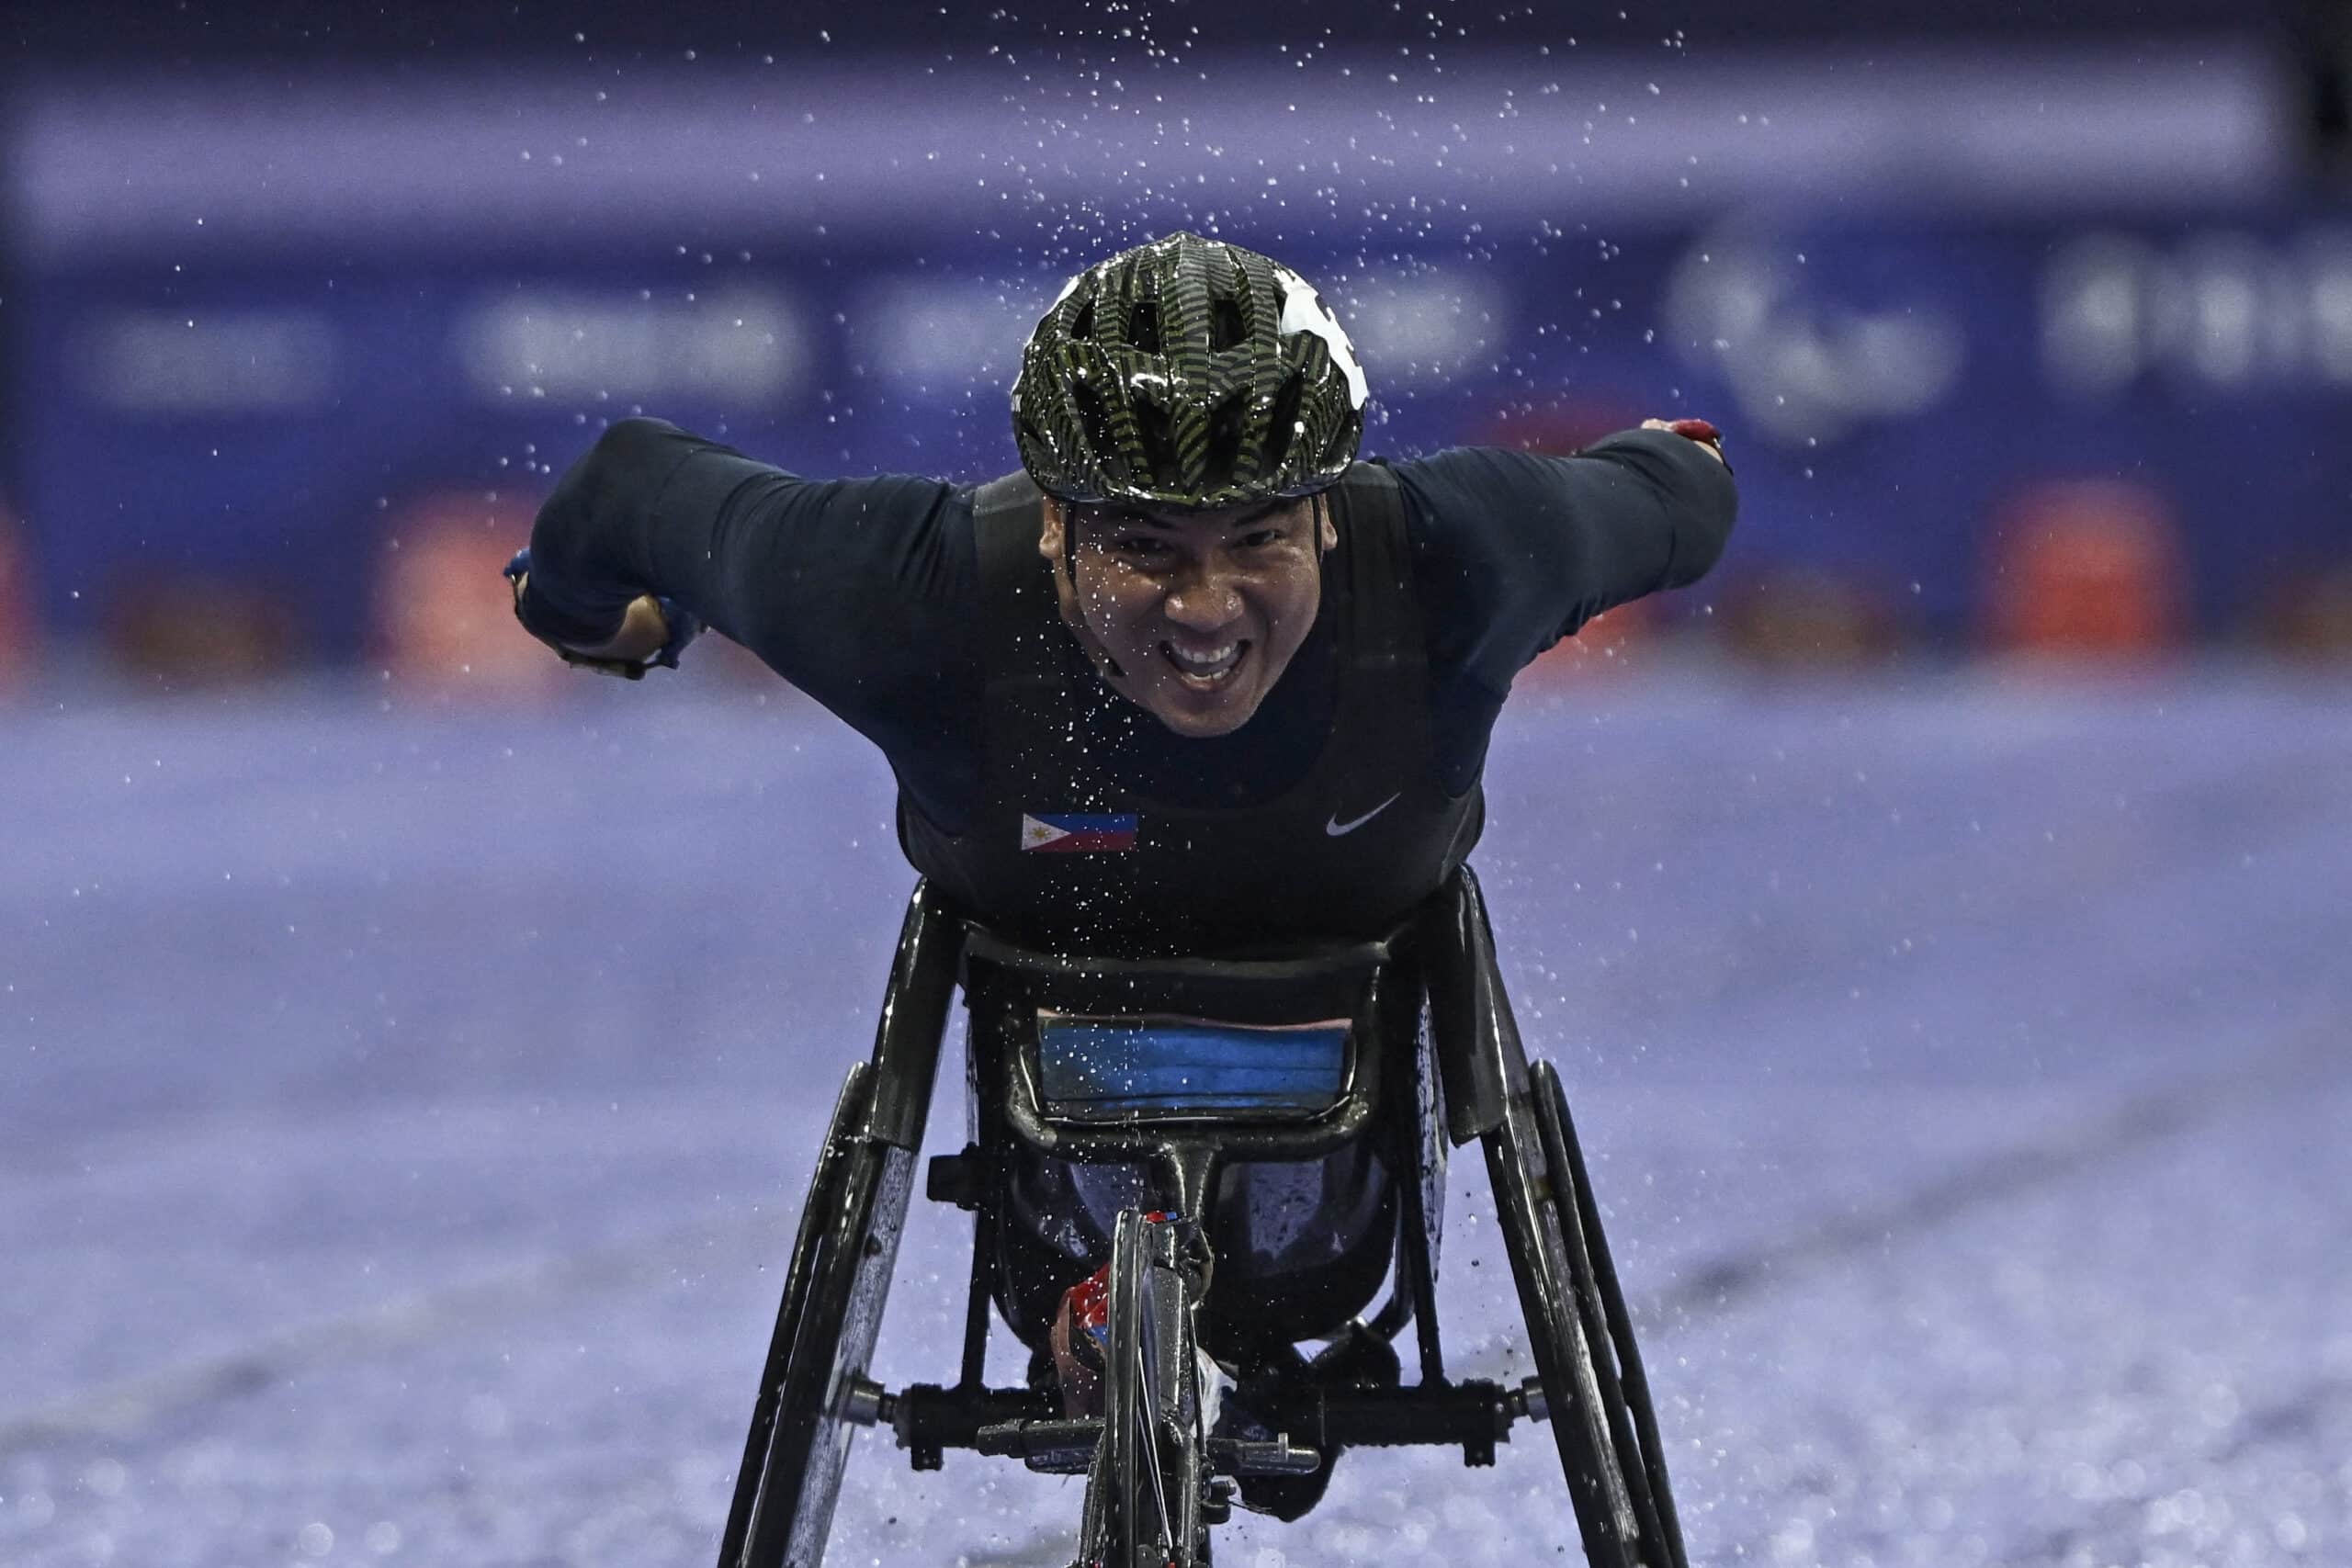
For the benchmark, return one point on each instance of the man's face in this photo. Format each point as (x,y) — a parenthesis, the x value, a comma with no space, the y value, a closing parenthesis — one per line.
(1192,615)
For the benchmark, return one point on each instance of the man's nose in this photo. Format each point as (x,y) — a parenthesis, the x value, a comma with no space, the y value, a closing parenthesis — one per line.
(1205,599)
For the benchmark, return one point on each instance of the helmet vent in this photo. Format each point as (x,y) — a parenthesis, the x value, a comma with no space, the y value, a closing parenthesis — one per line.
(1143,327)
(1158,441)
(1101,448)
(1225,327)
(1282,425)
(1224,441)
(1082,324)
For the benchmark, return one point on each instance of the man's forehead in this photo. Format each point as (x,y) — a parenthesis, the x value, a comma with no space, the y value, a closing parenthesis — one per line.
(1181,519)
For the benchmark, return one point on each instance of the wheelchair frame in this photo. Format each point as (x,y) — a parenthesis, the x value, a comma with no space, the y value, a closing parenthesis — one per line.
(814,1391)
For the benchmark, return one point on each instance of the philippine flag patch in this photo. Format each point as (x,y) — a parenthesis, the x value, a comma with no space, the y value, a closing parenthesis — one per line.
(1067,833)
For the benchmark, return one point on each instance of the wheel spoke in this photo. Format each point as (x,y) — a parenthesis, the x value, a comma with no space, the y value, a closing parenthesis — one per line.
(1148,1413)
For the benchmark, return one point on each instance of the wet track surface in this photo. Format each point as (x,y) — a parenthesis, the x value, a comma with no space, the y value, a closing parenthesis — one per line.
(404,1109)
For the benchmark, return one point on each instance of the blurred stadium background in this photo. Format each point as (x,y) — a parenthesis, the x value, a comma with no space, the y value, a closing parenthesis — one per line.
(411,1052)
(2029,334)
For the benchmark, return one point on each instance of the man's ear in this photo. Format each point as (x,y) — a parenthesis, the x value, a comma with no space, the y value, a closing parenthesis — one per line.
(1327,533)
(1049,538)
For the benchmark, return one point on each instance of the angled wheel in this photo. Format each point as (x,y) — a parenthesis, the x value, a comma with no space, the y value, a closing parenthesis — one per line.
(825,1327)
(1577,1327)
(1145,1491)
(1625,1383)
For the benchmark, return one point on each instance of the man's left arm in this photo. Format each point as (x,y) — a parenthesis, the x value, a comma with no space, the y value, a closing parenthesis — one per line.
(1515,550)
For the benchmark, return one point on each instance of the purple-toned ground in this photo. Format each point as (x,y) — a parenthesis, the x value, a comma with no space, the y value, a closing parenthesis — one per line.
(405,1105)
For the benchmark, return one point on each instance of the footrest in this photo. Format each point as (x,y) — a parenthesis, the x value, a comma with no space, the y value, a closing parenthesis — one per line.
(1234,1456)
(1064,1446)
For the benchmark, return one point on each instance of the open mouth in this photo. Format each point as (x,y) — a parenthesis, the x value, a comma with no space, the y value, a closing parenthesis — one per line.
(1207,672)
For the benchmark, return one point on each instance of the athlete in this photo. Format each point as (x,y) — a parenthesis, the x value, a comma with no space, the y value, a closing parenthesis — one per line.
(1195,681)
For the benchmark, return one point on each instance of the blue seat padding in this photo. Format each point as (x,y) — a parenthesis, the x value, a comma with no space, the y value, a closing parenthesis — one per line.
(1095,1067)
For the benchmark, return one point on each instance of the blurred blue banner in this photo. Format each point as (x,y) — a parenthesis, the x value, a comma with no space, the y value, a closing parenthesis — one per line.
(1911,289)
(1886,385)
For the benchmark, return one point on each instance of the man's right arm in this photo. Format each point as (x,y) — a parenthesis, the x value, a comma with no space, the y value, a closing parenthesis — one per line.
(854,589)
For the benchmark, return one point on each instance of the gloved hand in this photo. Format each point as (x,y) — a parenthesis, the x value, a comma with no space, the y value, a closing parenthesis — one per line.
(654,630)
(1698,430)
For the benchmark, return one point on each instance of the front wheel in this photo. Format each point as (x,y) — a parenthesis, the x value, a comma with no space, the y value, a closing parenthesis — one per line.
(802,1420)
(1582,1340)
(1145,1490)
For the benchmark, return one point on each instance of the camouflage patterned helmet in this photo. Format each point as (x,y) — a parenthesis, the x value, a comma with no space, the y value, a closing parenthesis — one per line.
(1187,373)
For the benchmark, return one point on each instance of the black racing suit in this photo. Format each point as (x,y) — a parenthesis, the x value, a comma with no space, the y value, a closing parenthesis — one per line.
(923,615)
(879,598)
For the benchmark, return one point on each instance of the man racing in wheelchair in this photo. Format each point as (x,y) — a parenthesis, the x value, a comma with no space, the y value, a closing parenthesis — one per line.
(1196,680)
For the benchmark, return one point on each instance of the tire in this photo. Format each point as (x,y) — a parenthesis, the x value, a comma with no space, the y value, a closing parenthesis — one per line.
(1536,1199)
(1145,1490)
(1625,1383)
(825,1329)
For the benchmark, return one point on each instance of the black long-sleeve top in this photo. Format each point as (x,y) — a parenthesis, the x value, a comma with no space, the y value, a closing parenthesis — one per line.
(864,593)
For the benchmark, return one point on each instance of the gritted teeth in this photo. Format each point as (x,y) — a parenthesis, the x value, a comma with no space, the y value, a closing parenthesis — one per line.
(1214,656)
(1205,666)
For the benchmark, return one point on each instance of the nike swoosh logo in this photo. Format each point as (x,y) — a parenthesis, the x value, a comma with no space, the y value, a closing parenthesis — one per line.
(1335,827)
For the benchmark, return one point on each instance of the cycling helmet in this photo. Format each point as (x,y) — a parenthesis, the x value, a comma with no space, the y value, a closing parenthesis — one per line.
(1187,373)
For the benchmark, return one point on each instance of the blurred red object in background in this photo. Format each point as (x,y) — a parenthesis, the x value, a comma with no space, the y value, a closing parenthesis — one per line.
(2086,568)
(181,630)
(444,615)
(18,628)
(1811,618)
(2309,612)
(1610,641)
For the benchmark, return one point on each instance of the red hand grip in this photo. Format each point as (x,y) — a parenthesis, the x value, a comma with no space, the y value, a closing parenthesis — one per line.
(1696,430)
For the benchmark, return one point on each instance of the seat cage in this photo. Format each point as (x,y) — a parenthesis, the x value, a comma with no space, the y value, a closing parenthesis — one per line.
(1430,1056)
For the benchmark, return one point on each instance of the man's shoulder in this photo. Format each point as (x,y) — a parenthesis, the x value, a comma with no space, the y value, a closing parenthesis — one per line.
(1458,494)
(1011,500)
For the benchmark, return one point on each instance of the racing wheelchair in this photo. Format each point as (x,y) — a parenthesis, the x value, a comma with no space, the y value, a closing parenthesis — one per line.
(1240,1153)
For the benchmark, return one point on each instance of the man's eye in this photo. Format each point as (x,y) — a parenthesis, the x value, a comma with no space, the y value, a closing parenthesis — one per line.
(1138,545)
(1257,539)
